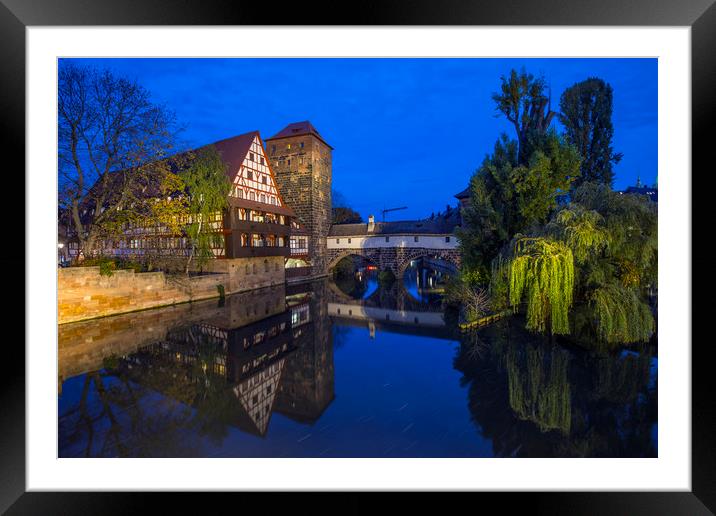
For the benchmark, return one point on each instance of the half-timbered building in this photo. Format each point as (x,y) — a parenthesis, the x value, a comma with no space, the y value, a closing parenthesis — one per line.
(256,224)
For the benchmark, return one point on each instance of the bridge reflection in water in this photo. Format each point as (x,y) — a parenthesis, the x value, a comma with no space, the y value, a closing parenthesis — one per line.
(312,370)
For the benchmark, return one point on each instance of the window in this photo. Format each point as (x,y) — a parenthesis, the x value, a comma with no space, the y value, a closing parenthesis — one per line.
(415,239)
(263,180)
(349,240)
(263,162)
(249,174)
(251,156)
(447,239)
(289,162)
(338,240)
(266,266)
(387,239)
(252,196)
(288,147)
(263,198)
(301,144)
(273,149)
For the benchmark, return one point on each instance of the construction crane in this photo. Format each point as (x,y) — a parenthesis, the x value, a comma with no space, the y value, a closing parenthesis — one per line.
(393,209)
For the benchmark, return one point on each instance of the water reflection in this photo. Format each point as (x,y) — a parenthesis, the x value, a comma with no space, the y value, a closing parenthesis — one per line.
(324,369)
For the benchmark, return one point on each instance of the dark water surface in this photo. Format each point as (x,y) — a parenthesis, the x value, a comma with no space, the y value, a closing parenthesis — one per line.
(345,369)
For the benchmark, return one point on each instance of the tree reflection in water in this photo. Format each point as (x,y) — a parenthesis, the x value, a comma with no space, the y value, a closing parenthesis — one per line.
(535,398)
(207,380)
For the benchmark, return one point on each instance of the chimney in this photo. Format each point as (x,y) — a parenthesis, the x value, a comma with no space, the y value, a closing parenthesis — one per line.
(371,223)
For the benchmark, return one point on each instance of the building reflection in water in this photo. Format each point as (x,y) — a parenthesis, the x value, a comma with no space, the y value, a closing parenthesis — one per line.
(206,379)
(215,367)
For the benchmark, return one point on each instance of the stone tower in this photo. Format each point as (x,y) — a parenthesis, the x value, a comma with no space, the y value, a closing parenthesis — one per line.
(301,161)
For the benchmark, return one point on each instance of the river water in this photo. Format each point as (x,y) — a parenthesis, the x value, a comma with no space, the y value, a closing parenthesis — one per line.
(344,369)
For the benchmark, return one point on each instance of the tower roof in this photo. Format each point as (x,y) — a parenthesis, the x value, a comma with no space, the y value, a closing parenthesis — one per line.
(465,194)
(298,129)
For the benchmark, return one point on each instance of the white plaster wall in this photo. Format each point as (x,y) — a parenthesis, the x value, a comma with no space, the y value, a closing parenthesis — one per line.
(434,319)
(378,241)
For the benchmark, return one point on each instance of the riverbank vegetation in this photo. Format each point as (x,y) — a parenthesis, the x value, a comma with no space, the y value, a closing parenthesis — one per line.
(544,232)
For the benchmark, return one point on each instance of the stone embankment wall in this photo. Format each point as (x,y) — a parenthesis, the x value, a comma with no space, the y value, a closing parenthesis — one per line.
(84,345)
(83,293)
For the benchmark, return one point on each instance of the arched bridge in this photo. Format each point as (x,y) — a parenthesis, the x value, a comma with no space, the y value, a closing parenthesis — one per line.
(393,245)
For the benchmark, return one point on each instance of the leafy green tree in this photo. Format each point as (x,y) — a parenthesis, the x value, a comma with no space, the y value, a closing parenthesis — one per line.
(614,241)
(509,198)
(345,215)
(110,136)
(586,113)
(522,99)
(541,270)
(208,189)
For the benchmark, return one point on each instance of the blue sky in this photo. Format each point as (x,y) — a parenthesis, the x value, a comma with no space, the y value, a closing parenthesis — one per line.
(406,132)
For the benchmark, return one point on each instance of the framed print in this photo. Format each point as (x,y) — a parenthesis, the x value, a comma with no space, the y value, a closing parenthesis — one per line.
(415,250)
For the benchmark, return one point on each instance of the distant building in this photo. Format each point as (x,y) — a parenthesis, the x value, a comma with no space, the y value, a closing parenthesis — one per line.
(464,197)
(651,192)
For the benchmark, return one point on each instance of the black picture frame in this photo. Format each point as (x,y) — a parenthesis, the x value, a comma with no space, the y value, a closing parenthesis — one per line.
(700,15)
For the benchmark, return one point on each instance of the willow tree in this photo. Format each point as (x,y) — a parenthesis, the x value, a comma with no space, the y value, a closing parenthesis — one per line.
(621,317)
(541,271)
(539,388)
(208,189)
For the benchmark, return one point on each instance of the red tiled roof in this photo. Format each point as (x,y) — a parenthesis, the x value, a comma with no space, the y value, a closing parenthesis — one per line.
(298,129)
(233,151)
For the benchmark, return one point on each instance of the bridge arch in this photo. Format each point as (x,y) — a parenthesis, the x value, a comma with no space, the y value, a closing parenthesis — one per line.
(449,256)
(365,254)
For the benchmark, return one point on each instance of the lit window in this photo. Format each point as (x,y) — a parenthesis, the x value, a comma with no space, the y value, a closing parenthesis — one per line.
(288,146)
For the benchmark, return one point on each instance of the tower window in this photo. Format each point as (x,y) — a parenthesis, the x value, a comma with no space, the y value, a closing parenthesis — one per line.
(387,239)
(288,146)
(415,239)
(273,149)
(301,144)
(289,162)
(447,239)
(338,240)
